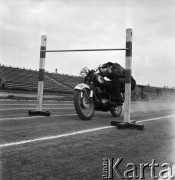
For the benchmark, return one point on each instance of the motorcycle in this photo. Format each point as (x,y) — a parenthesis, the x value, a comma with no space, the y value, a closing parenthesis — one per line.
(94,95)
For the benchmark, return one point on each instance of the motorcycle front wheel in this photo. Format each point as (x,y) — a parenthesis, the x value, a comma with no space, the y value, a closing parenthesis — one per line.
(116,111)
(83,105)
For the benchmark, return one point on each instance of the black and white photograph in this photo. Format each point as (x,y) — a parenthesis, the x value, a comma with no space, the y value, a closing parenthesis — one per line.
(87,89)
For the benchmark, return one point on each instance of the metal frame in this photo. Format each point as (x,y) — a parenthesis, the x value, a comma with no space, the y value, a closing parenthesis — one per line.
(128,67)
(80,50)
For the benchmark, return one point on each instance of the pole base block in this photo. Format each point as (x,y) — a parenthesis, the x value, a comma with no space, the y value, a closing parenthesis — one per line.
(115,123)
(39,113)
(126,125)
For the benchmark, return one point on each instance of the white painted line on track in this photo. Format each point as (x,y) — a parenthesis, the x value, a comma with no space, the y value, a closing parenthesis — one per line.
(153,119)
(54,137)
(134,104)
(73,133)
(20,108)
(34,104)
(33,117)
(32,108)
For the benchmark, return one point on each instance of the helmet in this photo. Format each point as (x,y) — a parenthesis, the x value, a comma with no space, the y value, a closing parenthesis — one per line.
(103,71)
(109,64)
(103,68)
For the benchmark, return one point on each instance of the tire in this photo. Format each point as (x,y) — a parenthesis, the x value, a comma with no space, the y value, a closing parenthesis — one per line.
(116,111)
(81,104)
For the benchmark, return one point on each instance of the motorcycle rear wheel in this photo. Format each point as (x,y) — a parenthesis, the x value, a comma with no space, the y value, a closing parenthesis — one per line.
(84,108)
(116,111)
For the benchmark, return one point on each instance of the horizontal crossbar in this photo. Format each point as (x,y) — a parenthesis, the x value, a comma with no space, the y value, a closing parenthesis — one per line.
(79,50)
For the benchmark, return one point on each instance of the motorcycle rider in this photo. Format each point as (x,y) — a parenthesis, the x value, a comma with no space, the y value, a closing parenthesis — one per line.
(116,73)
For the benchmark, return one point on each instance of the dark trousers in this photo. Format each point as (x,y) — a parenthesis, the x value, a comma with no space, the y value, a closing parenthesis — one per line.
(117,86)
(116,89)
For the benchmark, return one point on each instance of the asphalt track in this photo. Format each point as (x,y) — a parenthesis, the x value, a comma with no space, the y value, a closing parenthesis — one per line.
(19,132)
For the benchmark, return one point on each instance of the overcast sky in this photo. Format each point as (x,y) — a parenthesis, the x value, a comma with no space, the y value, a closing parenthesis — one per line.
(80,24)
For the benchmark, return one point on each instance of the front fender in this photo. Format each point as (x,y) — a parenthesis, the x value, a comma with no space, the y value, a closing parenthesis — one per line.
(81,86)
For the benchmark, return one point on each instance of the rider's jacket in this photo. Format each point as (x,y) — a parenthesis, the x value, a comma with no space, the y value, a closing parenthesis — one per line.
(116,70)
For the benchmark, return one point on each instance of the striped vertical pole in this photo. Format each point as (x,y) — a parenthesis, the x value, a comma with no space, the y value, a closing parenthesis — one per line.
(128,67)
(41,73)
(41,81)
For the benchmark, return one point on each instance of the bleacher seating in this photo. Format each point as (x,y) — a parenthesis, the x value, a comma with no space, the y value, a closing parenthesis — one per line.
(68,80)
(24,79)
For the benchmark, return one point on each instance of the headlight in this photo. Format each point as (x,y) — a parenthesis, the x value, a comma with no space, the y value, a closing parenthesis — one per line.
(84,72)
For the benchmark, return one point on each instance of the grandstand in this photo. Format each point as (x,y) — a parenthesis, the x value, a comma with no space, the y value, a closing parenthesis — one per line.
(24,79)
(67,80)
(12,78)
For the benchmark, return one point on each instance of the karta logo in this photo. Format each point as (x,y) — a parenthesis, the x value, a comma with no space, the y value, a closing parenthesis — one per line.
(120,170)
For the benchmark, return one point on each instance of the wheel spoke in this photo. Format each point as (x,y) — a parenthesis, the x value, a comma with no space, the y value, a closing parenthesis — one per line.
(85,104)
